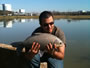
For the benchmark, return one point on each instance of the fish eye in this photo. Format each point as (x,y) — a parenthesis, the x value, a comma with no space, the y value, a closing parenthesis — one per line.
(60,42)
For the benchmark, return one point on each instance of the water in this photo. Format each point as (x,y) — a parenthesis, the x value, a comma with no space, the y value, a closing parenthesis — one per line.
(77,33)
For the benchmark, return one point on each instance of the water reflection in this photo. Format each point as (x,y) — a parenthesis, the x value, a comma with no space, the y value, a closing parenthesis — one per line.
(22,20)
(9,23)
(1,24)
(71,20)
(6,23)
(74,20)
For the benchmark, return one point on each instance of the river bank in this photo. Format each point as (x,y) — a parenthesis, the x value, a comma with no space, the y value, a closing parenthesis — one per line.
(56,17)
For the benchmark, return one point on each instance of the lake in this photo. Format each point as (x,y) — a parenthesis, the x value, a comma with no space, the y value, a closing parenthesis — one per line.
(77,34)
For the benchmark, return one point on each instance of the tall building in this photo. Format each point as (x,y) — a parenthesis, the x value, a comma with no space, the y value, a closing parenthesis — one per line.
(0,7)
(7,7)
(22,10)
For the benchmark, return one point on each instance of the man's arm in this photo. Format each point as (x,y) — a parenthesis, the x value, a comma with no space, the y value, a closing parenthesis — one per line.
(57,52)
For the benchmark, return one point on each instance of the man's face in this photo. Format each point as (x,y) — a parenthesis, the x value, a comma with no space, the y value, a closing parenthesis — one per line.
(48,24)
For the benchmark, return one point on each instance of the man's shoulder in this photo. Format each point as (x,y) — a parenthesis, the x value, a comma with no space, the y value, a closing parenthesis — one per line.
(37,30)
(58,29)
(59,32)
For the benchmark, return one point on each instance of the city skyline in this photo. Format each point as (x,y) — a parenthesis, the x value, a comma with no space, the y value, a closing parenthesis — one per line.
(51,5)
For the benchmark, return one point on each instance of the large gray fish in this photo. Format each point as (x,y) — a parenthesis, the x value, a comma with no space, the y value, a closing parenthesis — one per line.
(43,39)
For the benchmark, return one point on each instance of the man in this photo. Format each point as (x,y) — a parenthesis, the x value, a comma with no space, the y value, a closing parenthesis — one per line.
(53,57)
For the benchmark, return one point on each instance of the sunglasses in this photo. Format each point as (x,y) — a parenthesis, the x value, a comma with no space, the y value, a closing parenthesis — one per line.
(45,24)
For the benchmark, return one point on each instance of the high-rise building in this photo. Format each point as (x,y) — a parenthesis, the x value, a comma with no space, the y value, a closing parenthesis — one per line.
(0,7)
(22,10)
(6,7)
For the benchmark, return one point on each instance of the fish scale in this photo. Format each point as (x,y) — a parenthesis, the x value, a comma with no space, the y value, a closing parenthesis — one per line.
(43,39)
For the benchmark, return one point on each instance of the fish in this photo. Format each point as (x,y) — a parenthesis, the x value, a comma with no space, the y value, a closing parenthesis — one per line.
(43,39)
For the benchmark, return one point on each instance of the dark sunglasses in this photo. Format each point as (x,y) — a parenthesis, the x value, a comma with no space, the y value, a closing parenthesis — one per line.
(45,24)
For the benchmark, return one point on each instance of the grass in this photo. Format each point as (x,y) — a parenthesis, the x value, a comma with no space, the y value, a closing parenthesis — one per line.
(56,17)
(17,17)
(72,17)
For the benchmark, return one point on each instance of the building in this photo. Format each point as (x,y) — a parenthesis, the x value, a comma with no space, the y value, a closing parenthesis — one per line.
(7,7)
(21,10)
(0,7)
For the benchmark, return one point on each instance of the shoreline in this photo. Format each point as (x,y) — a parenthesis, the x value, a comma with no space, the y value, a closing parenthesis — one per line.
(55,17)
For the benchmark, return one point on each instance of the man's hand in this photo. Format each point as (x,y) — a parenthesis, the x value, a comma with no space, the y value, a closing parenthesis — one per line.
(33,51)
(35,48)
(50,48)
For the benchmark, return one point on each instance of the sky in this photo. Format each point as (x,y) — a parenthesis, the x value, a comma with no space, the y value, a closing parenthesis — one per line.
(51,5)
